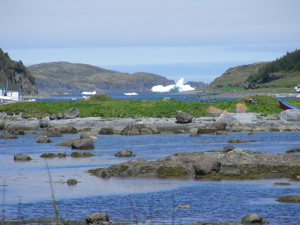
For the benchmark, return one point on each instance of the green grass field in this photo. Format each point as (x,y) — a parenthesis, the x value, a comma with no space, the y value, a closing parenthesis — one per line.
(110,108)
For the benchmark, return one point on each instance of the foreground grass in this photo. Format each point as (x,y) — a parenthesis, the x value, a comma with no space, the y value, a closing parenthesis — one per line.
(111,108)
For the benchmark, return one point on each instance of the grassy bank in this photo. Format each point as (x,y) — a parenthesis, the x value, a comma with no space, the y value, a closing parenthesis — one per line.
(107,107)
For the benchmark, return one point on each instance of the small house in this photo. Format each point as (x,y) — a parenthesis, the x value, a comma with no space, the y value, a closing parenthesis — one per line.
(10,92)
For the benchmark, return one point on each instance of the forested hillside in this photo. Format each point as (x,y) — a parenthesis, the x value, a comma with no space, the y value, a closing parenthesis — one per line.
(287,66)
(280,75)
(15,72)
(236,76)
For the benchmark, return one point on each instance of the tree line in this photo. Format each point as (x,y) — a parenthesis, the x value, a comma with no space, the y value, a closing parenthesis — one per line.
(290,62)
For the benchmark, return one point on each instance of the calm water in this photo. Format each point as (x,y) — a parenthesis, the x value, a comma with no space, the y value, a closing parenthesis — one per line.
(140,96)
(27,192)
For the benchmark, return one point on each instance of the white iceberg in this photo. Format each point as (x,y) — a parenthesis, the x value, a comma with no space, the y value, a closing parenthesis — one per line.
(174,88)
(131,93)
(88,92)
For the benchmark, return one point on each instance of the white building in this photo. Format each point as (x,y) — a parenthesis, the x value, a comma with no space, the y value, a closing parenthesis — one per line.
(10,92)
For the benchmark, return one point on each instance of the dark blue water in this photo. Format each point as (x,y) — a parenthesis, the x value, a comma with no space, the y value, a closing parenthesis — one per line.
(28,195)
(140,96)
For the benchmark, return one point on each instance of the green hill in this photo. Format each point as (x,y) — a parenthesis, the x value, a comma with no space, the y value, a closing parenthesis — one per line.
(236,76)
(54,76)
(283,72)
(280,75)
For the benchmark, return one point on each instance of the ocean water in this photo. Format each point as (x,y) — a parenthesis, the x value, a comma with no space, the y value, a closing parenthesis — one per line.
(26,191)
(141,96)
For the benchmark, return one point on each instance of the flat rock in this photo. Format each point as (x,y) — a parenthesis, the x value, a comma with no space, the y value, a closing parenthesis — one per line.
(83,144)
(21,157)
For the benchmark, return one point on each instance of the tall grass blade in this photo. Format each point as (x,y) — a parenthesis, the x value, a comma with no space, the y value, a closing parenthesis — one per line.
(55,206)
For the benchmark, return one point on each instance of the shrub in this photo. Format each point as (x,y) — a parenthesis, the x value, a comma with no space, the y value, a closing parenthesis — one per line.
(100,97)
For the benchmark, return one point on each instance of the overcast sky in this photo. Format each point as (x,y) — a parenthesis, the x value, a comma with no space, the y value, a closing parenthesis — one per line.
(194,39)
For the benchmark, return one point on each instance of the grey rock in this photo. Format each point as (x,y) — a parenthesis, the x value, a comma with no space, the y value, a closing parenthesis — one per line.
(2,124)
(183,117)
(179,164)
(44,123)
(293,150)
(178,131)
(44,140)
(48,155)
(206,165)
(221,132)
(79,154)
(106,131)
(83,144)
(71,113)
(67,142)
(139,129)
(89,135)
(290,115)
(228,148)
(62,154)
(125,153)
(241,158)
(295,198)
(226,118)
(212,128)
(193,164)
(252,218)
(235,123)
(21,157)
(15,130)
(49,134)
(237,140)
(69,129)
(72,182)
(97,218)
(52,117)
(7,135)
(57,116)
(32,132)
(218,126)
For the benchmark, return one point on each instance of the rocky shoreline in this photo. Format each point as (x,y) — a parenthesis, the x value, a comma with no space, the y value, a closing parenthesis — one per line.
(227,163)
(288,120)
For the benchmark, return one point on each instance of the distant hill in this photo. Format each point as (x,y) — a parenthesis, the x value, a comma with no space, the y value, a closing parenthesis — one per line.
(281,73)
(16,73)
(197,84)
(64,76)
(236,76)
(286,69)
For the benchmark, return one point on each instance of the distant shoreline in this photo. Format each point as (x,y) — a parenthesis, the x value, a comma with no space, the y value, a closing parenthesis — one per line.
(199,94)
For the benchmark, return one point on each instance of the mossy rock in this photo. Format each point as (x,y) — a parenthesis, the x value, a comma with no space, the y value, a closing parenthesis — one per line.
(293,150)
(290,198)
(259,172)
(103,174)
(282,184)
(94,171)
(81,154)
(48,155)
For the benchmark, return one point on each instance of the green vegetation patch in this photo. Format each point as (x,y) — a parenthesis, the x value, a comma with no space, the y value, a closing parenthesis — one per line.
(106,107)
(49,155)
(290,199)
(165,171)
(260,172)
